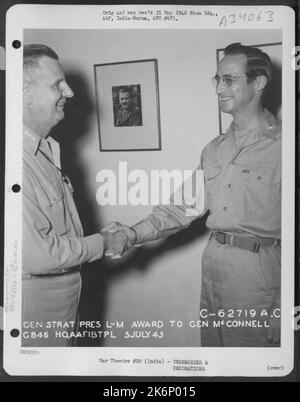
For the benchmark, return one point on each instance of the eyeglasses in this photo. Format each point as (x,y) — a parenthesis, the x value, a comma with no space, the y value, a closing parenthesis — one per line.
(227,79)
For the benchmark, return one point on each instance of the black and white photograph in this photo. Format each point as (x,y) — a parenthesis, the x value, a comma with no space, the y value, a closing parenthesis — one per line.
(127,105)
(172,261)
(128,108)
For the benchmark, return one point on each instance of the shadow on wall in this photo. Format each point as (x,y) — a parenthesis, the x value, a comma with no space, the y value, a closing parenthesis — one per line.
(97,276)
(143,257)
(74,127)
(273,96)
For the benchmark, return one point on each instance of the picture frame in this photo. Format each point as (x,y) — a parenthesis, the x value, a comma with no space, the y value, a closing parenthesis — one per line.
(127,101)
(273,95)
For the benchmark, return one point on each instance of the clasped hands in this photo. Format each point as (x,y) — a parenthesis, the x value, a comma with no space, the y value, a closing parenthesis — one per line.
(118,238)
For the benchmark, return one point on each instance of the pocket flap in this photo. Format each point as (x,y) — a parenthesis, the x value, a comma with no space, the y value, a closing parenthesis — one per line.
(261,175)
(51,194)
(212,171)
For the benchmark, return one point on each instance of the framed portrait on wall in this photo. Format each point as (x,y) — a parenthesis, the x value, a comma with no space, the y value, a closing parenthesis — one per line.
(128,112)
(272,95)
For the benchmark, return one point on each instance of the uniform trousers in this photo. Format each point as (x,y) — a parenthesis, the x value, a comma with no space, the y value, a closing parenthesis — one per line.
(50,309)
(238,288)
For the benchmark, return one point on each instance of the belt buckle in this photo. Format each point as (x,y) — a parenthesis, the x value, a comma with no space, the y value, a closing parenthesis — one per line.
(256,247)
(221,239)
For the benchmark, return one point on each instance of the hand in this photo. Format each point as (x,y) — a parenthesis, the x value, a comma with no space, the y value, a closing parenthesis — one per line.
(118,239)
(115,244)
(273,334)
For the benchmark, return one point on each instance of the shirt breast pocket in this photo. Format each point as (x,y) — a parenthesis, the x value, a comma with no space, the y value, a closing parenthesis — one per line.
(260,191)
(212,172)
(52,202)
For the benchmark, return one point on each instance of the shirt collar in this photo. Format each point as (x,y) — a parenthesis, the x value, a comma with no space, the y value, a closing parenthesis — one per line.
(31,140)
(268,127)
(222,137)
(34,142)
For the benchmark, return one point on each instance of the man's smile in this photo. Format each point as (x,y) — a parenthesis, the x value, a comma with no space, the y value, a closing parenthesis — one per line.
(61,104)
(225,98)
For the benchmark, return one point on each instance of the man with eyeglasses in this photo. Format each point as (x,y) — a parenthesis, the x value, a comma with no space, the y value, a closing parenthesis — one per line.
(241,263)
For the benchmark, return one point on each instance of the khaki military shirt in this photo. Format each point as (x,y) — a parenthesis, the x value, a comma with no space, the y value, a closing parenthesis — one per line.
(53,239)
(242,187)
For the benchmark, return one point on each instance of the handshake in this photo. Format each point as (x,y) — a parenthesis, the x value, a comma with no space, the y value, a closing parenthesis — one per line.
(118,239)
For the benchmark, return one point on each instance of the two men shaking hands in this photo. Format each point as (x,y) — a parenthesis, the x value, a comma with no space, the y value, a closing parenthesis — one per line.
(242,190)
(118,239)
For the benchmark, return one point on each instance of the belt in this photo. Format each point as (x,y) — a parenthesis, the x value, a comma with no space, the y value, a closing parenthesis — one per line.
(73,270)
(252,243)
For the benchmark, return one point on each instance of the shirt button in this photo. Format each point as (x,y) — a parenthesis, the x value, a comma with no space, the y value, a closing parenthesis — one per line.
(233,163)
(225,208)
(229,185)
(258,177)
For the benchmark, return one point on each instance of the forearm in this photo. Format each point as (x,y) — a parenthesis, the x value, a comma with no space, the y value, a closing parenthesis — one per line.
(183,209)
(57,254)
(164,221)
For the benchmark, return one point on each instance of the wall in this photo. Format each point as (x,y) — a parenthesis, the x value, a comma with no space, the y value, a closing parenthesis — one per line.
(161,281)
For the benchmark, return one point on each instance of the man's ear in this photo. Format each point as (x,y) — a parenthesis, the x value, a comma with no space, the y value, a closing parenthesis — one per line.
(27,93)
(260,82)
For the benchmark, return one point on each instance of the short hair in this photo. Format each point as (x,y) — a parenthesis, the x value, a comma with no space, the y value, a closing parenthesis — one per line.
(125,90)
(258,62)
(32,53)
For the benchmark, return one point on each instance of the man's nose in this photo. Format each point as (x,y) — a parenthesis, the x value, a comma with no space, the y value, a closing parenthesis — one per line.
(67,91)
(220,87)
